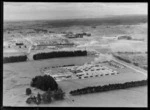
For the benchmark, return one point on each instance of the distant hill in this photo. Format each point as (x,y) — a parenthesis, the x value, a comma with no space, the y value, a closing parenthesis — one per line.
(114,20)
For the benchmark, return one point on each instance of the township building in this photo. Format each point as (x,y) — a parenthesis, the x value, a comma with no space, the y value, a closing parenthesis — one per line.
(82,72)
(90,70)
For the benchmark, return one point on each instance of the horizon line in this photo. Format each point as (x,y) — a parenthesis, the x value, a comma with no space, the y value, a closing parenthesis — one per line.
(108,16)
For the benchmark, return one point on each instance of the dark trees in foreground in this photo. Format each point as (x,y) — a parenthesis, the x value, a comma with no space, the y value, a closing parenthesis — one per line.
(46,97)
(108,87)
(50,86)
(44,83)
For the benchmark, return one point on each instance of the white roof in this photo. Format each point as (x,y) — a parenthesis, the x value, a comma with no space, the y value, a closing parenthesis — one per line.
(5,43)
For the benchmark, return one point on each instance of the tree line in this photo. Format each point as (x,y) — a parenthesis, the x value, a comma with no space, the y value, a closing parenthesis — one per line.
(108,87)
(37,56)
(123,59)
(59,54)
(128,61)
(125,37)
(12,59)
(119,52)
(63,66)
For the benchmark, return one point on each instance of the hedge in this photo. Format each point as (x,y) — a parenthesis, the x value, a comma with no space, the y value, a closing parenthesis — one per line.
(108,87)
(59,54)
(14,59)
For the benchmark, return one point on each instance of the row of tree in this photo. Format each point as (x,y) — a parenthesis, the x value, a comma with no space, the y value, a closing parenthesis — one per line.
(44,83)
(59,54)
(123,59)
(129,61)
(63,66)
(12,59)
(108,87)
(119,52)
(40,30)
(37,56)
(125,37)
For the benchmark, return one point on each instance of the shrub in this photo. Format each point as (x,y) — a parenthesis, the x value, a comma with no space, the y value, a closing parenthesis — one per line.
(28,91)
(44,83)
(31,100)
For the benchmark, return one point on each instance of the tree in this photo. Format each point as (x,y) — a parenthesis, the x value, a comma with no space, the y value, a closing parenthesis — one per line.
(59,94)
(47,98)
(44,83)
(28,91)
(29,101)
(38,99)
(136,64)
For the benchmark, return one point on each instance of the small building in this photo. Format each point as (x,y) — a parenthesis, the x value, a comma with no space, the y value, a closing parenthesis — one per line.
(124,37)
(19,44)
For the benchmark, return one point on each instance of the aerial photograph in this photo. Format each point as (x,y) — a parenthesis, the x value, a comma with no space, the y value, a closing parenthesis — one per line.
(77,54)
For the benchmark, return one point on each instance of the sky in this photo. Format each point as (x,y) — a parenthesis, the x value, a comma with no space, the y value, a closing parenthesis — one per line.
(51,10)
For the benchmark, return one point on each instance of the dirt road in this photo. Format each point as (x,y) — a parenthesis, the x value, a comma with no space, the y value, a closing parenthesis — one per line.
(131,66)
